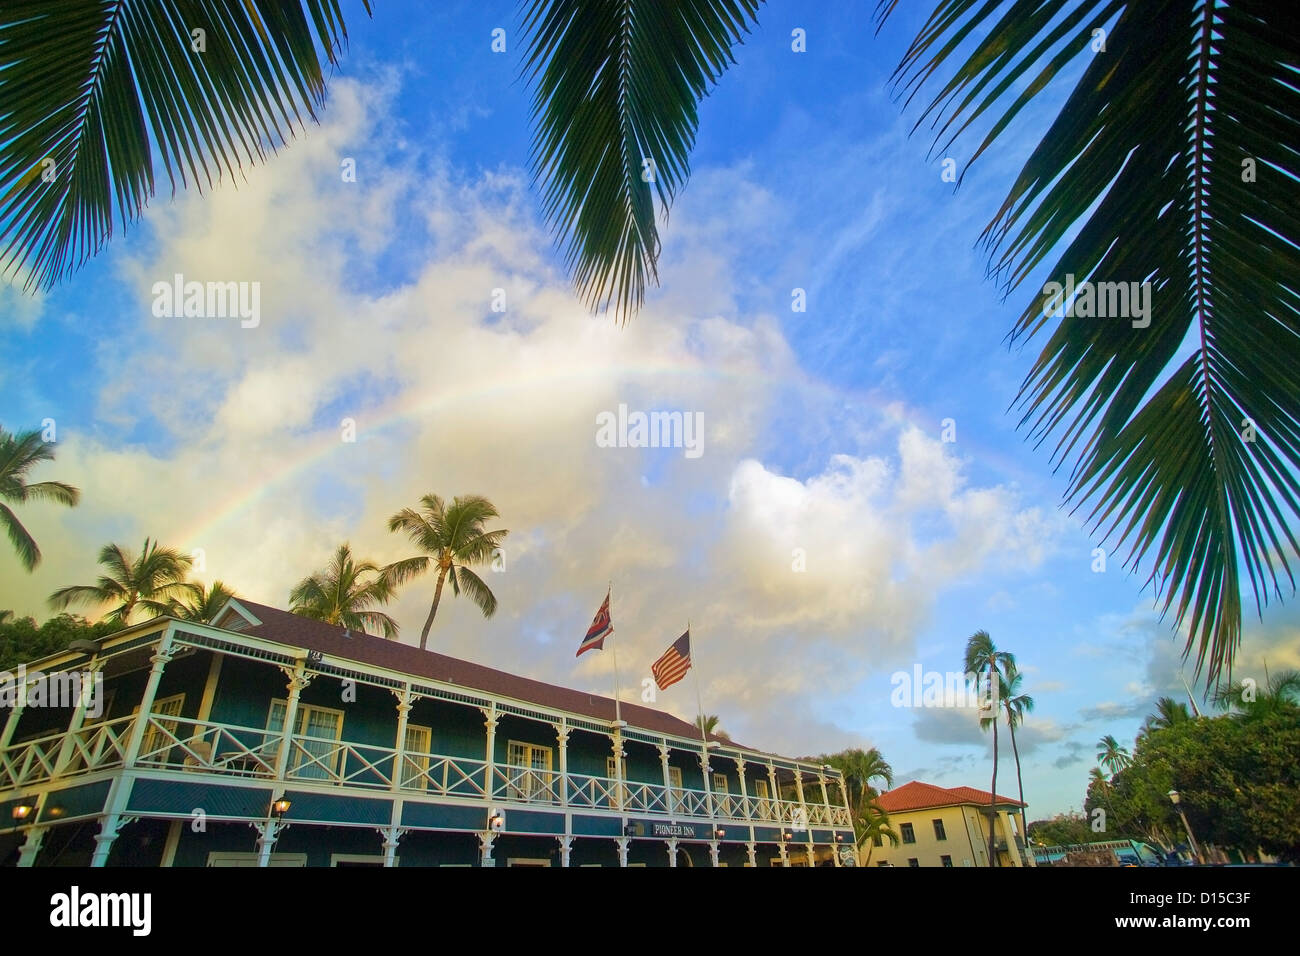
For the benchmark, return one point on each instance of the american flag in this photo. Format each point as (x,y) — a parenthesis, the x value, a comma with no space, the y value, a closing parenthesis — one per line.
(600,629)
(672,667)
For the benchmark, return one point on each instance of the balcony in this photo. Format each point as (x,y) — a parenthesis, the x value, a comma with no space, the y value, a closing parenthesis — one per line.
(176,744)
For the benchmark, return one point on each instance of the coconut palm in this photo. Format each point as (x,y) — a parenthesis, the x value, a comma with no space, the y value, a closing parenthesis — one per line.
(345,594)
(1097,778)
(1111,755)
(873,823)
(983,659)
(19,453)
(1016,706)
(1191,192)
(206,603)
(451,538)
(154,582)
(1169,713)
(708,724)
(1279,694)
(210,85)
(859,768)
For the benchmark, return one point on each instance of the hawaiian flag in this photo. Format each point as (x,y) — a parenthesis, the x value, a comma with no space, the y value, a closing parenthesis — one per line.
(672,667)
(600,629)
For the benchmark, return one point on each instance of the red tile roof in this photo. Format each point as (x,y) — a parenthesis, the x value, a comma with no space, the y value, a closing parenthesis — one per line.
(924,796)
(296,631)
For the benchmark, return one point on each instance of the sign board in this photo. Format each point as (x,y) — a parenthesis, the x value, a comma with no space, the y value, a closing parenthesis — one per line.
(673,830)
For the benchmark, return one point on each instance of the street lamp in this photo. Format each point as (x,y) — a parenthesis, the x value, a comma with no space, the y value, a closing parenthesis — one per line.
(1176,799)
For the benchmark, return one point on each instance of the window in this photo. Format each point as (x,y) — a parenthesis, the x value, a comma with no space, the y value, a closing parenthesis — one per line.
(909,835)
(760,789)
(946,860)
(415,768)
(938,830)
(878,840)
(913,861)
(316,758)
(719,783)
(609,772)
(529,772)
(157,743)
(358,859)
(675,777)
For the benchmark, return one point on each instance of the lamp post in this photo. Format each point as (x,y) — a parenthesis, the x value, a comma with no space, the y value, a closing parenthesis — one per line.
(1176,799)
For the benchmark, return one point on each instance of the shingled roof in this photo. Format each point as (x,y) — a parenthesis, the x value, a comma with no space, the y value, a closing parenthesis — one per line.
(925,796)
(297,631)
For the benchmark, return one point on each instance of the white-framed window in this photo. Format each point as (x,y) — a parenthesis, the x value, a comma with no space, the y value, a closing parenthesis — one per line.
(419,740)
(250,859)
(675,788)
(609,773)
(316,758)
(761,791)
(719,783)
(154,737)
(527,861)
(530,767)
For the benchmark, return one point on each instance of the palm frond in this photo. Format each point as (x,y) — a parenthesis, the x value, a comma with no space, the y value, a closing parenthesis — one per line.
(93,87)
(1188,460)
(617,84)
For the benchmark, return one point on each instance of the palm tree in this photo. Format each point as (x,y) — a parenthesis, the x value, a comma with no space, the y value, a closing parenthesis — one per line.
(873,823)
(1279,695)
(451,538)
(1185,192)
(1097,778)
(1111,755)
(153,582)
(1169,713)
(708,724)
(859,768)
(983,659)
(19,453)
(345,594)
(82,123)
(1016,705)
(206,603)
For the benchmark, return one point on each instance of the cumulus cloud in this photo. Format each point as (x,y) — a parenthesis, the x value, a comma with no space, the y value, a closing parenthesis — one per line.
(796,582)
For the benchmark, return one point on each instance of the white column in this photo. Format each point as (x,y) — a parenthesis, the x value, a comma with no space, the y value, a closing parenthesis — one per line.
(31,846)
(616,744)
(622,850)
(485,845)
(776,793)
(267,833)
(392,837)
(298,680)
(490,723)
(109,827)
(785,854)
(405,701)
(670,798)
(566,847)
(713,852)
(67,750)
(752,849)
(562,745)
(672,851)
(812,859)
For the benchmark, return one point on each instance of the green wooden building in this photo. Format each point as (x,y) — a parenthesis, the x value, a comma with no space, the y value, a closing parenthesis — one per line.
(274,740)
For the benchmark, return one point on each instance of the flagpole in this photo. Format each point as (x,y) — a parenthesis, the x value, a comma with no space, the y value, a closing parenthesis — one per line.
(613,646)
(704,740)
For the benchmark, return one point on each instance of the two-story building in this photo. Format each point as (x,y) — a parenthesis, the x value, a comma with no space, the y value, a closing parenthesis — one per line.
(949,826)
(273,740)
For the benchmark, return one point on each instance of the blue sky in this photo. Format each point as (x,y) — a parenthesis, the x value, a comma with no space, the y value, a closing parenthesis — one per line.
(823,428)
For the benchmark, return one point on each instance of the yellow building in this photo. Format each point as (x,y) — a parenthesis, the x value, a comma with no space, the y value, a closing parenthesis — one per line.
(942,826)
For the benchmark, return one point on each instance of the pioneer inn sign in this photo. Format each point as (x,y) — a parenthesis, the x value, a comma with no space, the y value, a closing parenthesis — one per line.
(274,740)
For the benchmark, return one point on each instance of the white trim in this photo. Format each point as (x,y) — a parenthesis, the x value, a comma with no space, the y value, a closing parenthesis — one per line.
(377,859)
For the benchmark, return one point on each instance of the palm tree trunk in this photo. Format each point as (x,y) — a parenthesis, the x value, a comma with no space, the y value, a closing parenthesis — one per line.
(993,799)
(437,596)
(1020,784)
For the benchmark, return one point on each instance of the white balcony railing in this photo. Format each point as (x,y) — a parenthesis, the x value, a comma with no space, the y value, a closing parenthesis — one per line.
(186,745)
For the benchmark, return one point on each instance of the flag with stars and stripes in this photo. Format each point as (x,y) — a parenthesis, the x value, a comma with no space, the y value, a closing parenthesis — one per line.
(674,664)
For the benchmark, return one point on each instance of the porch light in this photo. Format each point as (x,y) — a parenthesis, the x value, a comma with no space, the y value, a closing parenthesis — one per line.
(630,830)
(22,811)
(839,838)
(281,807)
(788,836)
(497,822)
(720,833)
